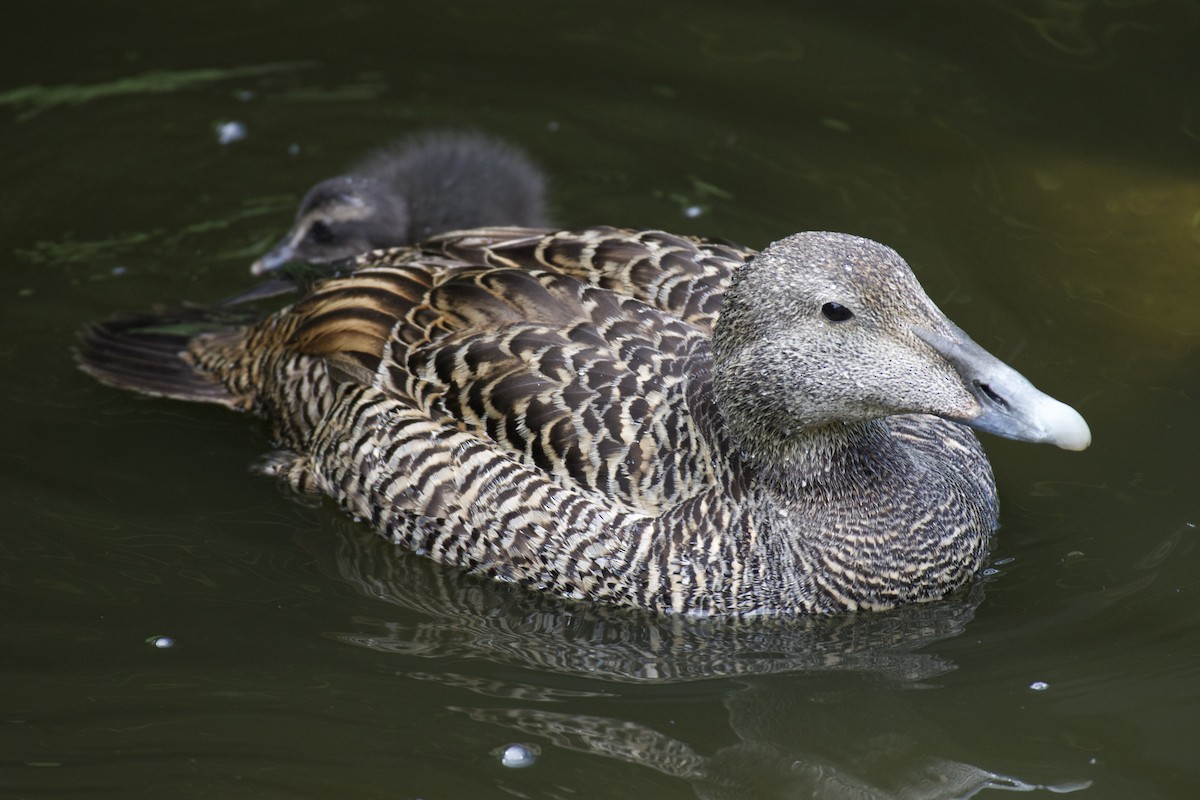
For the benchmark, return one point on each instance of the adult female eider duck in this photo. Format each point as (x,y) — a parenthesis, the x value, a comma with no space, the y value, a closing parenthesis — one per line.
(428,183)
(629,417)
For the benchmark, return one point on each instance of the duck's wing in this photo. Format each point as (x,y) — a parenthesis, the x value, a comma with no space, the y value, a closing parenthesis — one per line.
(682,276)
(599,391)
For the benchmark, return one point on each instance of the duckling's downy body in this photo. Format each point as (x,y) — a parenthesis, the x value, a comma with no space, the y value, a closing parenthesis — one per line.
(631,417)
(427,183)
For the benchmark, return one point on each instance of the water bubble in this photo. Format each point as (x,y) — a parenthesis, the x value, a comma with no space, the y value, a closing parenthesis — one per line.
(691,212)
(161,642)
(518,755)
(1039,686)
(232,131)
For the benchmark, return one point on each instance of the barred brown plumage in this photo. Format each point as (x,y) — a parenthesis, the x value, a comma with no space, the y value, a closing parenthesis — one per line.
(629,417)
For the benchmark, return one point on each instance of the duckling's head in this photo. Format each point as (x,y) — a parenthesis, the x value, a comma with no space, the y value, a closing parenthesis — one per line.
(428,183)
(826,328)
(339,218)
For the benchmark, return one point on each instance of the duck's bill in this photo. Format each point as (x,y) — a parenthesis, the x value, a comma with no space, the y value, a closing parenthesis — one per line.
(1009,405)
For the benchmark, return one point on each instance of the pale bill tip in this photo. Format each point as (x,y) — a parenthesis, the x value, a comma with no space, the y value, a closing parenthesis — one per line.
(1065,426)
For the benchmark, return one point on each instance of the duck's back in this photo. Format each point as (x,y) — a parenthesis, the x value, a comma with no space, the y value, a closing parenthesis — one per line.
(681,276)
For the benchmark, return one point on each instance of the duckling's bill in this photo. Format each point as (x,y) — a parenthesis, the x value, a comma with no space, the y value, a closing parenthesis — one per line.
(277,256)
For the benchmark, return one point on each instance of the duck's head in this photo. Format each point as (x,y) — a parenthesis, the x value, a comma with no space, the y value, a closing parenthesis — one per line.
(339,218)
(826,328)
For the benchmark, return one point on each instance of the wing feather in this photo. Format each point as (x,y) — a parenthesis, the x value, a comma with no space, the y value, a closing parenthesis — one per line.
(574,354)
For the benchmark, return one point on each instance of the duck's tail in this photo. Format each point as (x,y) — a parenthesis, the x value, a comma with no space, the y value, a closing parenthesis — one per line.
(149,353)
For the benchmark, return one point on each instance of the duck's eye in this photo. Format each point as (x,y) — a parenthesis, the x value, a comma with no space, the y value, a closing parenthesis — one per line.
(320,233)
(836,312)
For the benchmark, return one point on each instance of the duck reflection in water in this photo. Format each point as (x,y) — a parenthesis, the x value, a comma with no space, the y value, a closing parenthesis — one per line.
(791,747)
(794,740)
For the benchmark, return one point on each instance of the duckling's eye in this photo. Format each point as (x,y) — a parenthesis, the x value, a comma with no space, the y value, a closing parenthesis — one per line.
(836,312)
(320,233)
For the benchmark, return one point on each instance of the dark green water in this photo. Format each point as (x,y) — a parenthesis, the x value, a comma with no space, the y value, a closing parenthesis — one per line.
(1037,162)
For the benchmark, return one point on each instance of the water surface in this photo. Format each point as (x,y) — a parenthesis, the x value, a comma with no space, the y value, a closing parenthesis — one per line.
(1036,162)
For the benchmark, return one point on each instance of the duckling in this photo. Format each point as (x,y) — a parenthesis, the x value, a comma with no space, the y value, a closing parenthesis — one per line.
(428,183)
(629,417)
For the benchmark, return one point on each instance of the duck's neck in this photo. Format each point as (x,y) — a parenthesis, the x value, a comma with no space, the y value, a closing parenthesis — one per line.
(831,460)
